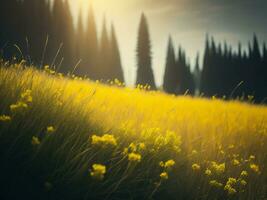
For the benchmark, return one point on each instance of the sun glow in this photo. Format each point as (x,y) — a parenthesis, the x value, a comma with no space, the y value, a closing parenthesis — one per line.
(112,7)
(125,16)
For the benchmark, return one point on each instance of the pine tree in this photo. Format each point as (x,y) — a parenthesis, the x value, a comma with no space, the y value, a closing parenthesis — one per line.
(10,24)
(205,77)
(104,55)
(79,46)
(144,63)
(197,75)
(170,75)
(256,70)
(63,35)
(115,71)
(264,72)
(264,50)
(46,27)
(185,78)
(68,37)
(256,55)
(91,46)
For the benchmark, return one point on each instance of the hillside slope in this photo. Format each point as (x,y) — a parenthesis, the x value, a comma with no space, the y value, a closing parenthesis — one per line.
(66,138)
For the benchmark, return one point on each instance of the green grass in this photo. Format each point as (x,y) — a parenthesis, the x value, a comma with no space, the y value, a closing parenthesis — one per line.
(197,134)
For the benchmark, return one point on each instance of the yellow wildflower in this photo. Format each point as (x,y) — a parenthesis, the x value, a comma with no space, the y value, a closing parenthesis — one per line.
(236,162)
(252,157)
(18,107)
(133,147)
(104,140)
(125,151)
(142,146)
(5,118)
(231,181)
(254,168)
(218,168)
(196,167)
(244,173)
(169,164)
(134,157)
(26,96)
(215,183)
(208,172)
(98,171)
(164,175)
(230,189)
(243,182)
(50,129)
(161,163)
(35,141)
(194,152)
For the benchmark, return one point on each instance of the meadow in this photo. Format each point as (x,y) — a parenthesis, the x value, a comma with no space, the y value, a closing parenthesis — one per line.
(64,137)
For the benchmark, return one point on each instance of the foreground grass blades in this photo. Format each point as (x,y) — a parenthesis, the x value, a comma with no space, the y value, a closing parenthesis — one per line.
(67,138)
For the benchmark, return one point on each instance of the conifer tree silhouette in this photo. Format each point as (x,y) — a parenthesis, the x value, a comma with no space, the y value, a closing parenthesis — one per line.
(170,75)
(197,75)
(79,46)
(91,46)
(115,71)
(144,64)
(104,55)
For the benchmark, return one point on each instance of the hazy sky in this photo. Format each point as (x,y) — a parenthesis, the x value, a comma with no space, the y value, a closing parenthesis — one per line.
(187,21)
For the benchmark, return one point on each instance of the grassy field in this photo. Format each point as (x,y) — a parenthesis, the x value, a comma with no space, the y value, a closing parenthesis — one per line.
(67,138)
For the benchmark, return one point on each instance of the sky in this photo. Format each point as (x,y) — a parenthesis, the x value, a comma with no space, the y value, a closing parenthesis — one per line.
(187,21)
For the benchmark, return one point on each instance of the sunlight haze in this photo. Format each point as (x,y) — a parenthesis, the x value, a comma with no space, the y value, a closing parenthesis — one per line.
(188,21)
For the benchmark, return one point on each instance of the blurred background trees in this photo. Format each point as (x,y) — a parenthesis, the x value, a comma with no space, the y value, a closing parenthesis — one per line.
(43,33)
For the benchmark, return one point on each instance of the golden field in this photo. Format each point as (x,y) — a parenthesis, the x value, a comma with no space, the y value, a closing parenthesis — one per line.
(71,138)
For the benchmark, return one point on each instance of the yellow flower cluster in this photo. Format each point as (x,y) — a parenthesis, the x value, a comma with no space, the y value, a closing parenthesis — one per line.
(215,183)
(196,167)
(50,129)
(208,172)
(117,82)
(243,182)
(218,168)
(164,176)
(170,140)
(22,104)
(255,168)
(18,107)
(104,140)
(136,147)
(35,141)
(229,186)
(236,162)
(134,157)
(98,171)
(5,118)
(143,87)
(48,70)
(133,151)
(194,152)
(252,157)
(26,96)
(244,174)
(167,167)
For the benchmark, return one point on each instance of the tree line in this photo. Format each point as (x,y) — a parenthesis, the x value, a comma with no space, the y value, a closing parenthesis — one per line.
(42,32)
(235,73)
(226,73)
